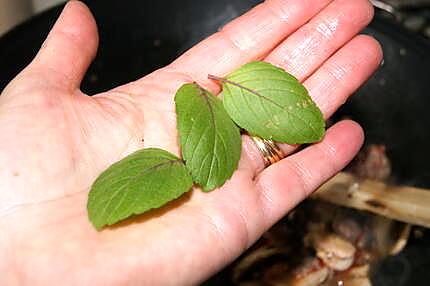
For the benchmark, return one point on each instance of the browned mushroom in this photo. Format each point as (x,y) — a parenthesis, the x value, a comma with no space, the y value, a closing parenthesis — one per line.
(330,240)
(336,252)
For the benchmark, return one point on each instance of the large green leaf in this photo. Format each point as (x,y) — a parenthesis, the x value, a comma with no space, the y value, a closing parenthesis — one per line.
(210,141)
(144,180)
(272,104)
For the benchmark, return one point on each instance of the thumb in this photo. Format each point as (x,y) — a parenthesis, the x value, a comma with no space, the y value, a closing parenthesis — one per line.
(69,48)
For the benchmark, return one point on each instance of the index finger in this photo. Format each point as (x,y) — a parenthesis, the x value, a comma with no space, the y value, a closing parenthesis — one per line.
(247,38)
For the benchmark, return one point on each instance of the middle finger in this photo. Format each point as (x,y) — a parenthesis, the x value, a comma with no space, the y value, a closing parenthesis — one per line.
(305,50)
(309,48)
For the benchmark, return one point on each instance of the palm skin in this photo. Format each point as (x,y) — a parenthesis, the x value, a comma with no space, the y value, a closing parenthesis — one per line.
(57,140)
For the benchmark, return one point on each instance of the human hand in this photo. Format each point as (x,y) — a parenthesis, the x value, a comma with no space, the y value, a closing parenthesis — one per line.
(56,141)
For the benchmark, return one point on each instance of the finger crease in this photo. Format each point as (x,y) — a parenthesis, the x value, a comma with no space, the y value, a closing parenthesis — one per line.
(303,177)
(330,154)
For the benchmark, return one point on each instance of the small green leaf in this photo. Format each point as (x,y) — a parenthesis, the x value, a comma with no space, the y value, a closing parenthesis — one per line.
(272,104)
(210,140)
(144,180)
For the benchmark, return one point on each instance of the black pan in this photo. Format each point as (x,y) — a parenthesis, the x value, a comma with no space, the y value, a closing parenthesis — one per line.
(140,36)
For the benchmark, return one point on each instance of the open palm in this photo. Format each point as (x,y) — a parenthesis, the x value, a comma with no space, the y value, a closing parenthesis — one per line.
(56,141)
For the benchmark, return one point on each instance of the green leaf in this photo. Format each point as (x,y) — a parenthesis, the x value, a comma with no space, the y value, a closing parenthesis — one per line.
(144,180)
(272,104)
(210,140)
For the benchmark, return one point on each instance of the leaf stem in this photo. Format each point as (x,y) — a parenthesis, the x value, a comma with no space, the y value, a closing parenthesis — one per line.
(217,78)
(224,80)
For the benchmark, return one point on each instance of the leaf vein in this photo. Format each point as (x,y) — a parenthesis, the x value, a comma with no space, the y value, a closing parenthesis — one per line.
(273,102)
